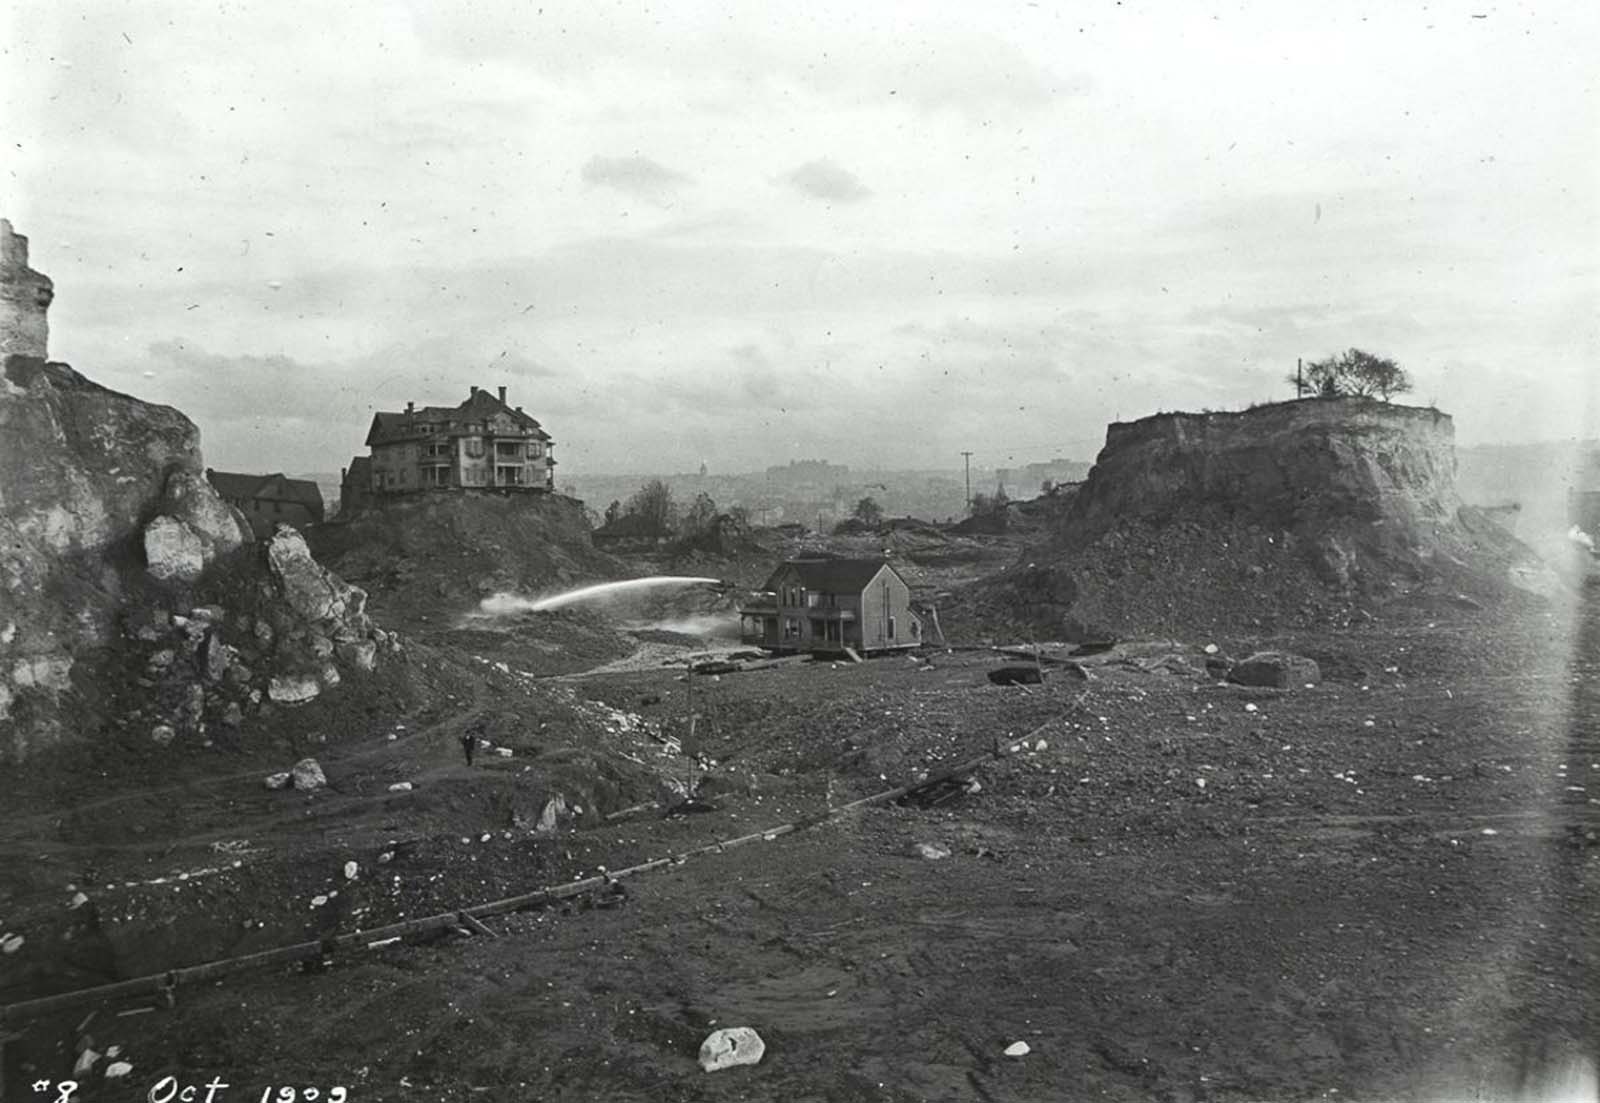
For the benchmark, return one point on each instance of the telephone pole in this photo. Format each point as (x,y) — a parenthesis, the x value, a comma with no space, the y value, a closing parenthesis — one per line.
(967,458)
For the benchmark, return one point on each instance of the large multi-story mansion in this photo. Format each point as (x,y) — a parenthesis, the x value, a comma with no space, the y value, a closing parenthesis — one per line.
(481,444)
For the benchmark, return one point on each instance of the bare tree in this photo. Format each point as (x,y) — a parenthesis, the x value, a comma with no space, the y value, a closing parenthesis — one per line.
(653,504)
(700,515)
(1355,373)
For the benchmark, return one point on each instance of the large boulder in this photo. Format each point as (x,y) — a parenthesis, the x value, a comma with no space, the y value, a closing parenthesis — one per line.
(730,1047)
(190,498)
(1279,669)
(173,551)
(313,592)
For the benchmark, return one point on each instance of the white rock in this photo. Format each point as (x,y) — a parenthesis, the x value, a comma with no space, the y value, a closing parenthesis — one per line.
(118,1069)
(1017,1049)
(1250,707)
(1042,745)
(503,752)
(293,690)
(1211,649)
(400,787)
(350,871)
(730,1047)
(308,774)
(933,852)
(78,901)
(173,550)
(318,900)
(277,781)
(85,1062)
(10,943)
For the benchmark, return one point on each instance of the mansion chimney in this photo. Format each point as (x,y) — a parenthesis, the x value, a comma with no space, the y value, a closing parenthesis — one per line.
(502,396)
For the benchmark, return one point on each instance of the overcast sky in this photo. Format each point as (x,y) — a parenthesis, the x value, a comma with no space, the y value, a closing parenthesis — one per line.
(871,233)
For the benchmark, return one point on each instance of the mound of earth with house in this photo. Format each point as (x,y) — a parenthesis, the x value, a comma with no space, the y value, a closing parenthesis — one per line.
(1314,511)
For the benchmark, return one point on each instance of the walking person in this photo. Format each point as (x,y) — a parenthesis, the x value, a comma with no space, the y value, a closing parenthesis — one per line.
(469,744)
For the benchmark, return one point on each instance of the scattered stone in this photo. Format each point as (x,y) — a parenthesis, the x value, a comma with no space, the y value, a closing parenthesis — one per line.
(400,787)
(78,900)
(730,1047)
(351,869)
(933,852)
(1211,649)
(161,659)
(278,780)
(1275,668)
(503,752)
(363,654)
(288,690)
(1042,745)
(330,676)
(554,808)
(1018,1049)
(10,943)
(118,1069)
(162,734)
(85,1062)
(318,900)
(308,774)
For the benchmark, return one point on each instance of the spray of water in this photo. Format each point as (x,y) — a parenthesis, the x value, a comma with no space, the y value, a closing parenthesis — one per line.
(1580,538)
(501,605)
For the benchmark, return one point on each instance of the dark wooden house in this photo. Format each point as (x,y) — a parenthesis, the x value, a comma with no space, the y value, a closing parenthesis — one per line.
(265,500)
(828,605)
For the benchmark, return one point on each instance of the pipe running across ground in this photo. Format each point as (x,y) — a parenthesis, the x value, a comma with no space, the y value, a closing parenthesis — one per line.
(167,983)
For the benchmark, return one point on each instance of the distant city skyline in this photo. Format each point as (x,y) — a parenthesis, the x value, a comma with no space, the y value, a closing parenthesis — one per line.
(746,234)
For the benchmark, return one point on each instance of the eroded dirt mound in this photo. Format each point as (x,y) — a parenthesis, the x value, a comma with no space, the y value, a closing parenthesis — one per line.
(429,558)
(1310,512)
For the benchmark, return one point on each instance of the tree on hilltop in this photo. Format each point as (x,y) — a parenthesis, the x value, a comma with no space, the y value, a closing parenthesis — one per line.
(1353,373)
(702,512)
(868,512)
(652,503)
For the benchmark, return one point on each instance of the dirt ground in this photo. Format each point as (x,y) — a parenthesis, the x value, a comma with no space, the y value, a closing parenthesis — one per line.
(1383,887)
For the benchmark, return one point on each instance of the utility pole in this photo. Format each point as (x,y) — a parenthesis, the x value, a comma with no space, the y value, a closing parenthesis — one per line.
(967,457)
(1299,381)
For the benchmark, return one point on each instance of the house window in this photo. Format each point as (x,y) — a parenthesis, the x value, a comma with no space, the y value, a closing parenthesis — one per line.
(891,627)
(475,447)
(791,628)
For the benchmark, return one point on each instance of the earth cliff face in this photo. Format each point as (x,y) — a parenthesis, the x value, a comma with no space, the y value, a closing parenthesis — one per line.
(85,470)
(1312,511)
(1315,461)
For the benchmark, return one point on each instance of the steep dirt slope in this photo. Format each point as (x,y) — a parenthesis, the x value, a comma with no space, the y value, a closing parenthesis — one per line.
(431,557)
(1312,511)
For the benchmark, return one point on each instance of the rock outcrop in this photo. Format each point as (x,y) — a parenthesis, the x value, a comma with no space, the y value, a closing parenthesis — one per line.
(122,573)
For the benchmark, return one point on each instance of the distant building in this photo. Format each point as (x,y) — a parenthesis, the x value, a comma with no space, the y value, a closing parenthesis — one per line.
(631,531)
(265,500)
(482,444)
(355,486)
(827,605)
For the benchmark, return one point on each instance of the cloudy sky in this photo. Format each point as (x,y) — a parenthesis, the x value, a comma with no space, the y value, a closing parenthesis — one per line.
(874,233)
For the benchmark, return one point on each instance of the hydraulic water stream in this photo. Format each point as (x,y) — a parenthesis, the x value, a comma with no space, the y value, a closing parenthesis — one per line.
(507,604)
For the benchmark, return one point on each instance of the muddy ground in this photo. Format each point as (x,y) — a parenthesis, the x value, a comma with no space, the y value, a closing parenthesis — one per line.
(1385,887)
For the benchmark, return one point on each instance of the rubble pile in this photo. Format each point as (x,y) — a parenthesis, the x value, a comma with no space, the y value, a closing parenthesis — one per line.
(130,592)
